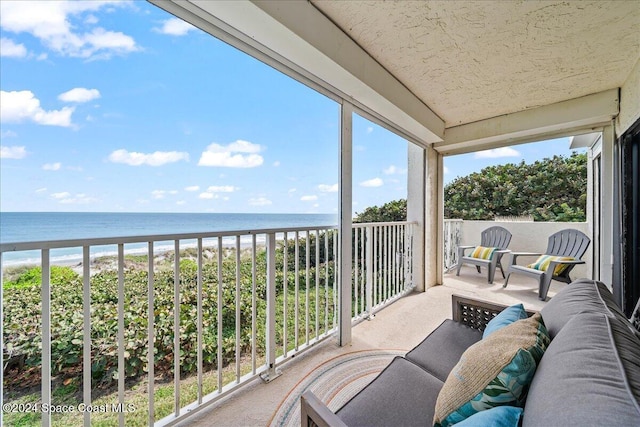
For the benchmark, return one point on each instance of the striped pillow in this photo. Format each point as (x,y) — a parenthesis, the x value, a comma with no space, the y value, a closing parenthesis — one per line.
(542,263)
(483,253)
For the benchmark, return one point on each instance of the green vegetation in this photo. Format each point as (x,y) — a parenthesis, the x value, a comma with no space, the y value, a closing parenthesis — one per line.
(553,189)
(395,210)
(29,277)
(22,322)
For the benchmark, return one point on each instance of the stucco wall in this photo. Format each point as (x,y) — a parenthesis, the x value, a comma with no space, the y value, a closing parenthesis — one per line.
(629,101)
(529,237)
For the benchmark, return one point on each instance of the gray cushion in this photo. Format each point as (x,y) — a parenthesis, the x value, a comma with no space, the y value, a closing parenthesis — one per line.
(402,395)
(628,348)
(581,296)
(441,350)
(584,380)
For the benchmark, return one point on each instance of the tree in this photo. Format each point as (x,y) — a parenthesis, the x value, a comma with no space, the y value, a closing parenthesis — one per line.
(553,189)
(395,210)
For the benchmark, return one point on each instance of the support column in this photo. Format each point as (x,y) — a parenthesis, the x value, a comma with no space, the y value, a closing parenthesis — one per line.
(433,218)
(416,211)
(345,225)
(607,218)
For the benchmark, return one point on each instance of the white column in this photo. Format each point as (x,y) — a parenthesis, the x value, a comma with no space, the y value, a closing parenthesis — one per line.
(344,226)
(416,192)
(433,219)
(606,234)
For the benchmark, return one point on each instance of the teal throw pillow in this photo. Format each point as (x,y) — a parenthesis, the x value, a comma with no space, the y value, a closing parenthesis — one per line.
(504,318)
(500,416)
(495,371)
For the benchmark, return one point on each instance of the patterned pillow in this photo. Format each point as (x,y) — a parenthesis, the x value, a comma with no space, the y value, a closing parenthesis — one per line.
(500,416)
(542,263)
(505,318)
(483,253)
(495,371)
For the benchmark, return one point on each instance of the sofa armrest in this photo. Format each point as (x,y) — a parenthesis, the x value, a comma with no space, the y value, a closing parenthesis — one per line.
(475,313)
(315,413)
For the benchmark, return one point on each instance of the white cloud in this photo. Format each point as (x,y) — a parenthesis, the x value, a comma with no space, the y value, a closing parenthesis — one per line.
(79,94)
(375,182)
(445,169)
(369,129)
(181,202)
(192,188)
(326,188)
(13,152)
(63,27)
(8,134)
(309,198)
(259,201)
(393,169)
(497,153)
(221,189)
(78,199)
(9,49)
(91,19)
(61,195)
(292,190)
(276,163)
(157,158)
(18,106)
(212,191)
(175,27)
(52,166)
(41,190)
(158,194)
(239,154)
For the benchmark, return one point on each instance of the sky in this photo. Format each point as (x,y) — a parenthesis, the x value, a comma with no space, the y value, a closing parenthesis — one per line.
(120,107)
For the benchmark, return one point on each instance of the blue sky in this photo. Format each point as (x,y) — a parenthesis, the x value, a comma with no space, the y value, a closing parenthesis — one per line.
(119,107)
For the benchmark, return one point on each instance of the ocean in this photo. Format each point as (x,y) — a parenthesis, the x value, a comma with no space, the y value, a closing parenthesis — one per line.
(38,226)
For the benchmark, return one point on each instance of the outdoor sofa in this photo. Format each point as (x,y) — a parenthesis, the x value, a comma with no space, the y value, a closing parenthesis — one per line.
(587,372)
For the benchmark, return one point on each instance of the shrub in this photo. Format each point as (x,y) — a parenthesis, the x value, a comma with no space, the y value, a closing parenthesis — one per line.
(22,309)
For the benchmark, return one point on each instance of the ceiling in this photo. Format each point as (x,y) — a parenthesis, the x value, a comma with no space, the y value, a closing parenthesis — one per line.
(473,60)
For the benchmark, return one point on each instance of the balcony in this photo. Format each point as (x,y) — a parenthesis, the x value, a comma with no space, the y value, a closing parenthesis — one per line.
(268,294)
(401,325)
(230,285)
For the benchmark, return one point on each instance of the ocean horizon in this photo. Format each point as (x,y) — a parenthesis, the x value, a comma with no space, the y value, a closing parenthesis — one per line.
(19,227)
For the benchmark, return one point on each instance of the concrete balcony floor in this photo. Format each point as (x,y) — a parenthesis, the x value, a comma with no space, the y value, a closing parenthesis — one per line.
(402,325)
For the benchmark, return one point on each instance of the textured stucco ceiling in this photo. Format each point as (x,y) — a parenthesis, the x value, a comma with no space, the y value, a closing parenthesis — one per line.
(472,60)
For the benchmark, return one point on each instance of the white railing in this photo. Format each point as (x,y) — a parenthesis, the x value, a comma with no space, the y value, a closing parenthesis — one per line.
(382,265)
(452,234)
(260,298)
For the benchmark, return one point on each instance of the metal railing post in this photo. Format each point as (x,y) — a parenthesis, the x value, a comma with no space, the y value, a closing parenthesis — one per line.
(46,336)
(369,269)
(271,373)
